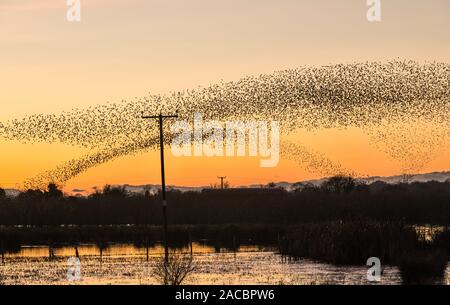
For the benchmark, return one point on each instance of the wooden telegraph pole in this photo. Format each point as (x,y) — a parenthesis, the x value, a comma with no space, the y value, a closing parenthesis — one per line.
(221,181)
(160,119)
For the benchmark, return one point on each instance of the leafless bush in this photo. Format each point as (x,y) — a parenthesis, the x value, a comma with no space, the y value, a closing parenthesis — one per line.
(175,269)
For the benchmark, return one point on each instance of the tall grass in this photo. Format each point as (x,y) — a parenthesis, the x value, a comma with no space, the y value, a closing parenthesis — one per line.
(352,243)
(349,243)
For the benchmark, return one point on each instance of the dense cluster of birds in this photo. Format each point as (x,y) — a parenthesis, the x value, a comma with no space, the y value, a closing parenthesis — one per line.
(383,98)
(313,161)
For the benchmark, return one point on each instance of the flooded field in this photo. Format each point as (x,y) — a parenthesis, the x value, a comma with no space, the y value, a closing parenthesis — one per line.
(125,264)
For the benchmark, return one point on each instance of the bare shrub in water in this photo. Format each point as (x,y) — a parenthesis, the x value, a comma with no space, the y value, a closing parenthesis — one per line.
(175,269)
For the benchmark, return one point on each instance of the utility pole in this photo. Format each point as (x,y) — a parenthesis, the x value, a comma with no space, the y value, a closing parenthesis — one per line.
(221,181)
(161,118)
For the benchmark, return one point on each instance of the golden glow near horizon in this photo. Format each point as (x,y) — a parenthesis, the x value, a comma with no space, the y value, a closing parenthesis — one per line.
(126,49)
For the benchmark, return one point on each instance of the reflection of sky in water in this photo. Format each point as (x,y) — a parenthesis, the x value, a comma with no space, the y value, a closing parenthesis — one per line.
(114,250)
(125,264)
(428,232)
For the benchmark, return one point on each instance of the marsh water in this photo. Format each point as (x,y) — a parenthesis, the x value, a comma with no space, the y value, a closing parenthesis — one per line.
(126,264)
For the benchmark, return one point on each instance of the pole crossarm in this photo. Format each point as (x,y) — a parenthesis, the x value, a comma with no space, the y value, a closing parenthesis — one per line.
(158,116)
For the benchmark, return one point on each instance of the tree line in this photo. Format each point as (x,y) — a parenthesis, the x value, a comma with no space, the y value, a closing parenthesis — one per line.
(338,198)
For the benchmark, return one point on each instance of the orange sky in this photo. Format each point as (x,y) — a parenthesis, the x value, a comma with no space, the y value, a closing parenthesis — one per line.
(125,49)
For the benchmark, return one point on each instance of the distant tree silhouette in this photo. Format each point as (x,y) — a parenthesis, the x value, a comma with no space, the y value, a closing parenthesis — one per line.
(2,194)
(31,195)
(147,191)
(302,187)
(339,184)
(226,185)
(53,191)
(118,192)
(407,178)
(214,186)
(271,185)
(338,198)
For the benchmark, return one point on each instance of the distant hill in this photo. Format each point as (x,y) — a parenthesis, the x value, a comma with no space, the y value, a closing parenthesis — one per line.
(435,176)
(12,192)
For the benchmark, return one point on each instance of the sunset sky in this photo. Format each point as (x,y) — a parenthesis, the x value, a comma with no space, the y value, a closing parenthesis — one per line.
(124,49)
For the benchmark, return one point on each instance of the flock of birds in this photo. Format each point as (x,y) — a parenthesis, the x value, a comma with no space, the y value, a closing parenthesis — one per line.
(390,101)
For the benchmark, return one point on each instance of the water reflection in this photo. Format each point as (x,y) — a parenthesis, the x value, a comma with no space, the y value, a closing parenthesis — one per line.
(126,264)
(119,250)
(428,232)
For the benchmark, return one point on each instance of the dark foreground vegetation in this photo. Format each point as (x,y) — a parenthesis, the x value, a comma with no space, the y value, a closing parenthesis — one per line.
(421,261)
(339,222)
